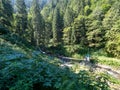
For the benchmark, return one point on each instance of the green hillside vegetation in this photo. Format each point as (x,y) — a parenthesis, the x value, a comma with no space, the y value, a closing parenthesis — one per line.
(34,35)
(23,68)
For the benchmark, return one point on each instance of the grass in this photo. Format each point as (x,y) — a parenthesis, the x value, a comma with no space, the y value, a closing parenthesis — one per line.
(101,58)
(77,56)
(113,62)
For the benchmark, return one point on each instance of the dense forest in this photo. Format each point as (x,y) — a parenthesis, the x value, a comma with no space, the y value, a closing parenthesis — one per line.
(35,33)
(79,24)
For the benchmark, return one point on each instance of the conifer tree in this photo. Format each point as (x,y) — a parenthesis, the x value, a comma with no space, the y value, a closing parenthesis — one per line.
(68,17)
(82,4)
(21,18)
(80,29)
(76,6)
(6,13)
(95,34)
(67,33)
(48,33)
(112,23)
(38,24)
(56,26)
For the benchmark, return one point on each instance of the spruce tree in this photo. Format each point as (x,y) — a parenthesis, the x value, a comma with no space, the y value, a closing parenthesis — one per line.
(113,30)
(80,30)
(56,27)
(113,37)
(68,17)
(6,13)
(38,24)
(21,18)
(76,6)
(95,34)
(82,4)
(48,33)
(67,33)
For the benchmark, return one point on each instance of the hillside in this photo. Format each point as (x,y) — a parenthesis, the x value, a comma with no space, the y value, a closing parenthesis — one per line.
(24,68)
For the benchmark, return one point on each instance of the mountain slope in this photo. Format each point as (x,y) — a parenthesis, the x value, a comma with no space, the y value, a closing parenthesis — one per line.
(24,68)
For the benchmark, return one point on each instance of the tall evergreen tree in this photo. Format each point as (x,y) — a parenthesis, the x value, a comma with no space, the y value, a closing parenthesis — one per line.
(75,4)
(56,27)
(67,33)
(48,33)
(112,23)
(80,30)
(68,17)
(38,24)
(113,37)
(6,13)
(21,18)
(96,34)
(82,4)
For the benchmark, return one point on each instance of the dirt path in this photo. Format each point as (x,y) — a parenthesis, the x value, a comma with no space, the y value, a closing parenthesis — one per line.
(101,68)
(109,70)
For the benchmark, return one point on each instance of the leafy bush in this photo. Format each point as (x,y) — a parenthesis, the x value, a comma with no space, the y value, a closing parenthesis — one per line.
(30,74)
(37,74)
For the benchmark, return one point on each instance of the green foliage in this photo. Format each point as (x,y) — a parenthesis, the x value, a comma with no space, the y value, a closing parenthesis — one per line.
(21,18)
(29,70)
(24,75)
(109,61)
(86,22)
(71,22)
(113,32)
(68,17)
(72,50)
(67,33)
(106,7)
(95,35)
(86,81)
(6,13)
(101,57)
(72,26)
(87,10)
(38,24)
(79,30)
(56,28)
(3,30)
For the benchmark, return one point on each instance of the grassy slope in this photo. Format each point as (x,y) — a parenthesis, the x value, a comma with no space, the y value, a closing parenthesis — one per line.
(102,58)
(23,68)
(17,57)
(13,47)
(21,60)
